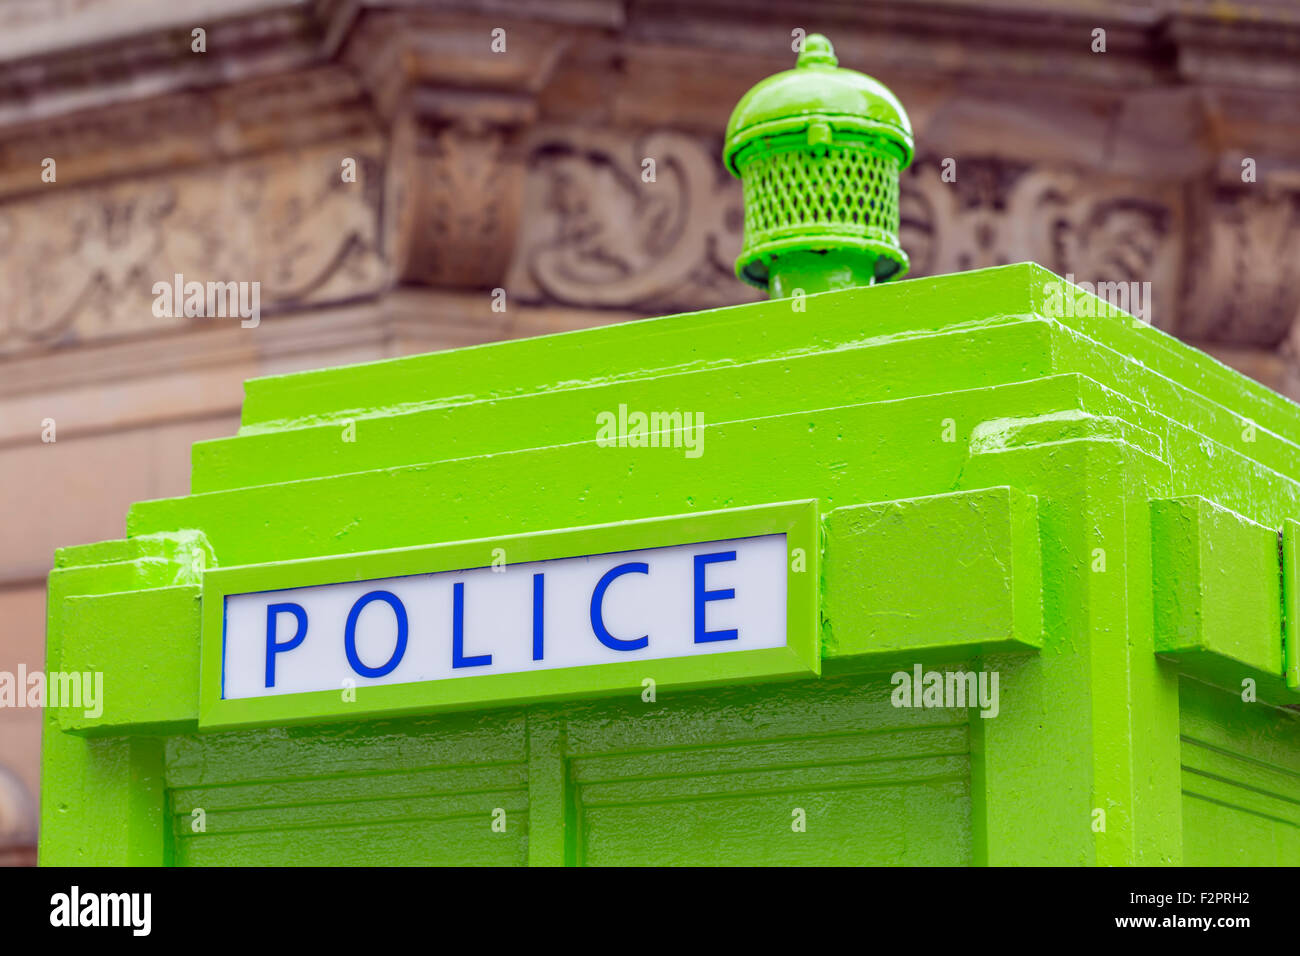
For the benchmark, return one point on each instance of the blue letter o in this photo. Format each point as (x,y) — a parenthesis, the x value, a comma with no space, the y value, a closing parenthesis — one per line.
(350,634)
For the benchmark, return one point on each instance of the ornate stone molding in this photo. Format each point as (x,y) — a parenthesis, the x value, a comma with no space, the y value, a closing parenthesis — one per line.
(458,112)
(595,233)
(461,187)
(80,265)
(455,201)
(999,211)
(1243,273)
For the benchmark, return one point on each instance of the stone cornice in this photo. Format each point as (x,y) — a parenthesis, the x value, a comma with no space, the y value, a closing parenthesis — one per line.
(113,53)
(110,54)
(115,50)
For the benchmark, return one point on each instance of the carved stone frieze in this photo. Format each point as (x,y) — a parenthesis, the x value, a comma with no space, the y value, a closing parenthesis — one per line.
(465,183)
(81,264)
(596,232)
(458,110)
(1243,275)
(453,201)
(998,211)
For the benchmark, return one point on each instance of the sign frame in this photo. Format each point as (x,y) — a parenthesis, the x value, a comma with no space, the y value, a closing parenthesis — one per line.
(800,657)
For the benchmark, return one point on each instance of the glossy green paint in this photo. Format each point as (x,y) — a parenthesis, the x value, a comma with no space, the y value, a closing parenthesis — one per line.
(1083,505)
(1218,590)
(1291,603)
(975,550)
(817,90)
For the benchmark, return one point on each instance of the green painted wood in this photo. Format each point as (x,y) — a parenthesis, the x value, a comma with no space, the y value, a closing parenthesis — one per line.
(841,455)
(1240,780)
(1088,727)
(140,641)
(718,338)
(1011,456)
(740,334)
(974,554)
(426,841)
(552,835)
(424,793)
(94,787)
(469,426)
(707,780)
(1291,603)
(1217,586)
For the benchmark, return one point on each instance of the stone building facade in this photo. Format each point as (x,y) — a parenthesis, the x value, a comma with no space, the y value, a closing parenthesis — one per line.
(402,176)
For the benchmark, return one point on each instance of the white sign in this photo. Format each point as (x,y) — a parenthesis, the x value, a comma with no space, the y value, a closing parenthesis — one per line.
(680,601)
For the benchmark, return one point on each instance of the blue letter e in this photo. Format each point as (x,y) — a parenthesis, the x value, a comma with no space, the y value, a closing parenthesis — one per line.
(272,647)
(703,597)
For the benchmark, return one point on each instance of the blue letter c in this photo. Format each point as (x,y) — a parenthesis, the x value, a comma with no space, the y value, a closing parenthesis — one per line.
(598,600)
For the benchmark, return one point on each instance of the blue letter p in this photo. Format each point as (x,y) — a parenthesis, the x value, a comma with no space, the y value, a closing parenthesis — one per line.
(272,647)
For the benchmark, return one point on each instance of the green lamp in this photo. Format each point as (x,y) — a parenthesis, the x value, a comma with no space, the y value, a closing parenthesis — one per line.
(819,151)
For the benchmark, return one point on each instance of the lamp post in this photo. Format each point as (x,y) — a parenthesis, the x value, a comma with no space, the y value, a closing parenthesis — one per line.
(819,150)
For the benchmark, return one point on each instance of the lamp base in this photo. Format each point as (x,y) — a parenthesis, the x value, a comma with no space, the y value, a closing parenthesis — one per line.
(811,272)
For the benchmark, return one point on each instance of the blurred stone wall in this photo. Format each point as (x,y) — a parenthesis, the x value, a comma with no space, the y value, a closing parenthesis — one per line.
(500,145)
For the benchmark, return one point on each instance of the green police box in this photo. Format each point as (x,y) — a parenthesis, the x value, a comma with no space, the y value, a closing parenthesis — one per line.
(1027,567)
